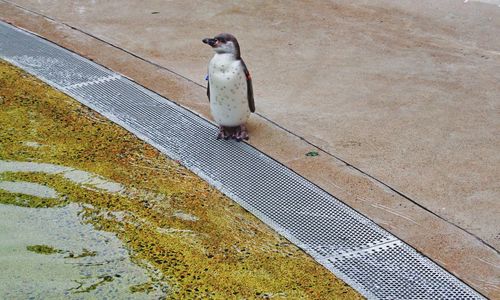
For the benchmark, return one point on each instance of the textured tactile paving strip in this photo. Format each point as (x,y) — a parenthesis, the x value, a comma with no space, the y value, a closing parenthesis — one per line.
(354,248)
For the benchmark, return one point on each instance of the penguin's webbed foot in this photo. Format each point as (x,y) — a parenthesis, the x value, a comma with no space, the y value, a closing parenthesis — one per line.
(240,133)
(223,133)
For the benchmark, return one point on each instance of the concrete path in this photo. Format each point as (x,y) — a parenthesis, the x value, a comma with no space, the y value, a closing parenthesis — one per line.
(401,98)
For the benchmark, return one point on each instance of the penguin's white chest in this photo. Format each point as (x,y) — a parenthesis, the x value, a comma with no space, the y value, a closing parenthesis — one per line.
(228,91)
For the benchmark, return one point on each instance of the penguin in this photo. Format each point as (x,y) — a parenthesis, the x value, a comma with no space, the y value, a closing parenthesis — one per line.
(229,89)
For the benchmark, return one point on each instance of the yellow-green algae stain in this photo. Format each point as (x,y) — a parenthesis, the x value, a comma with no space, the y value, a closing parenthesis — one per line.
(205,245)
(42,249)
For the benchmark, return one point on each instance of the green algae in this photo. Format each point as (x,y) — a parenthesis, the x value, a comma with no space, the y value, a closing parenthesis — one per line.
(42,249)
(85,289)
(27,200)
(85,253)
(96,255)
(30,200)
(142,288)
(202,243)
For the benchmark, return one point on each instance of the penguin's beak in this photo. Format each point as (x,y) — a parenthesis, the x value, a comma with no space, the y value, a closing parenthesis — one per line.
(210,42)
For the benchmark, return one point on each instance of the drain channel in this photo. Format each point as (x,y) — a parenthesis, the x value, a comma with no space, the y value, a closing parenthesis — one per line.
(351,246)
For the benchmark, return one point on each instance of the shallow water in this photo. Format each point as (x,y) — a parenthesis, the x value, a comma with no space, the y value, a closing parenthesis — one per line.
(53,253)
(85,179)
(28,188)
(104,270)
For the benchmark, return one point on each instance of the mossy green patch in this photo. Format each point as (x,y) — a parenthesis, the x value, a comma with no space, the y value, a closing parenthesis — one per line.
(85,289)
(85,253)
(26,200)
(221,252)
(141,288)
(43,249)
(55,182)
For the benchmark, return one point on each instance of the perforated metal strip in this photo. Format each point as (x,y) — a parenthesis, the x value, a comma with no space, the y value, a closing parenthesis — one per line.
(351,246)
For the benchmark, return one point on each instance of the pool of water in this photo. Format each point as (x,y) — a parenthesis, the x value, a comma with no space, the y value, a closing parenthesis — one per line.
(82,262)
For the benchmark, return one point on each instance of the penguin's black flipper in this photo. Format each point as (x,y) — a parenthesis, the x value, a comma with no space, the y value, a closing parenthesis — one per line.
(208,90)
(251,103)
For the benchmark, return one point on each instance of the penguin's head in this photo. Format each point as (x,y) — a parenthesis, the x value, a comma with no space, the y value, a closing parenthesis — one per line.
(224,43)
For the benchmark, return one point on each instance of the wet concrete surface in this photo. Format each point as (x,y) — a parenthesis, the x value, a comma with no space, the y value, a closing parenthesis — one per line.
(406,92)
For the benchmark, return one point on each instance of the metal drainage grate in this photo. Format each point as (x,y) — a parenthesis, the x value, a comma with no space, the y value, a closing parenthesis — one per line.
(351,246)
